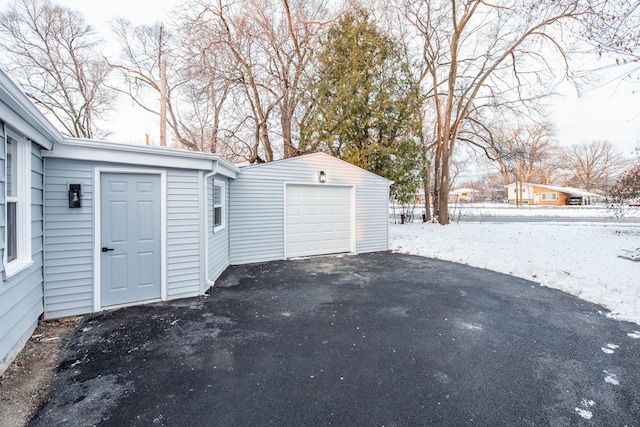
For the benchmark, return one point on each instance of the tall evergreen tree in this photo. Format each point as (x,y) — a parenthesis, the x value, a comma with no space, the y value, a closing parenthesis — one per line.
(364,103)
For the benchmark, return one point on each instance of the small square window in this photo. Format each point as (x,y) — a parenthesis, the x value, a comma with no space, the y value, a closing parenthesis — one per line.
(218,205)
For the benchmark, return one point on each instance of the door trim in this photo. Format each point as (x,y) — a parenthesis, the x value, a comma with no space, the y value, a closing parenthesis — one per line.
(352,222)
(97,216)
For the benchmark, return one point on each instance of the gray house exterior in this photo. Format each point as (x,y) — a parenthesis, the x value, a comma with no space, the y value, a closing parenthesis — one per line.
(281,210)
(89,225)
(25,134)
(143,221)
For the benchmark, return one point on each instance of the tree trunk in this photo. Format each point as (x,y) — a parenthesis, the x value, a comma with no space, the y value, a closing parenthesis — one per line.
(426,181)
(437,181)
(266,142)
(285,122)
(427,202)
(443,196)
(442,182)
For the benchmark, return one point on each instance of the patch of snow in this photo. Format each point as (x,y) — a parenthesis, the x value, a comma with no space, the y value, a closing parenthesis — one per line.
(607,350)
(584,413)
(578,258)
(613,346)
(634,335)
(611,378)
(471,326)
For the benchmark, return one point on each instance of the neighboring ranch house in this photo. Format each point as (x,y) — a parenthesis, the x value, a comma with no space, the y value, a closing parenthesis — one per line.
(87,225)
(463,195)
(542,194)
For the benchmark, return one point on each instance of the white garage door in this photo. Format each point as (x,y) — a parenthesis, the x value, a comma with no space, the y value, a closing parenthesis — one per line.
(318,220)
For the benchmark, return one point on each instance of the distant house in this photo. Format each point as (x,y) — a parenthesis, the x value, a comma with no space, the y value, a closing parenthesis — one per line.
(542,194)
(463,195)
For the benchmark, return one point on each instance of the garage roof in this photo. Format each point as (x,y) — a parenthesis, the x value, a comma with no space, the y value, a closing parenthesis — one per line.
(310,156)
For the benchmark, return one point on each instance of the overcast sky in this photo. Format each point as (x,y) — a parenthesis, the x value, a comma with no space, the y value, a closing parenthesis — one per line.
(609,112)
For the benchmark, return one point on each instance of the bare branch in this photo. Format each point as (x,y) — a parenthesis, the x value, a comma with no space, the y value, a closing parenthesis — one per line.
(55,55)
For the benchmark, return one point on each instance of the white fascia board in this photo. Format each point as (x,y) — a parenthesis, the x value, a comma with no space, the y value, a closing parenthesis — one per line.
(41,131)
(145,155)
(117,155)
(227,169)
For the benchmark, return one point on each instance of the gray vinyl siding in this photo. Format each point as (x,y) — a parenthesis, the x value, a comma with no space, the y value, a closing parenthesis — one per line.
(183,234)
(21,297)
(257,205)
(69,237)
(3,179)
(69,240)
(218,241)
(256,218)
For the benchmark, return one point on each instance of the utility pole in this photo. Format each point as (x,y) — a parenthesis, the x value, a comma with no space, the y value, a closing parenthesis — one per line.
(163,91)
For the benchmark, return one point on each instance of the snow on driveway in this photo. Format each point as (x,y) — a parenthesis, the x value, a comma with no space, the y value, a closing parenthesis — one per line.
(578,258)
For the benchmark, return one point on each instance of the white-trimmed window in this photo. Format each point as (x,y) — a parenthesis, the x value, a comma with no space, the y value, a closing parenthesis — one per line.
(218,205)
(549,196)
(523,190)
(17,230)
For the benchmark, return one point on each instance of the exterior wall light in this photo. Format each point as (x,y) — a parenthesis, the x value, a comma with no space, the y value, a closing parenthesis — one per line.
(75,195)
(323,177)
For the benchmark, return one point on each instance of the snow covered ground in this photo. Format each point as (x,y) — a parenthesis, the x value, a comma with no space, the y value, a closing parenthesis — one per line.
(577,257)
(489,210)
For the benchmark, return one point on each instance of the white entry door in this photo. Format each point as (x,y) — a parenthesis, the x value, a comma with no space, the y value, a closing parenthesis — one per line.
(318,220)
(130,238)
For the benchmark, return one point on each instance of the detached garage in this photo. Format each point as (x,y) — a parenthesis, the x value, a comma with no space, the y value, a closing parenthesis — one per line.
(304,206)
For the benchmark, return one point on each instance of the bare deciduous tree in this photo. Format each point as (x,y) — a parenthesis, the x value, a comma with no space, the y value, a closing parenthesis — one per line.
(291,34)
(594,165)
(196,90)
(523,152)
(483,55)
(232,31)
(143,48)
(613,29)
(55,56)
(269,47)
(208,87)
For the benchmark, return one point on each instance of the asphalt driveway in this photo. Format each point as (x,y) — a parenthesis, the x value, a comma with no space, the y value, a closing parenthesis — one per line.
(376,339)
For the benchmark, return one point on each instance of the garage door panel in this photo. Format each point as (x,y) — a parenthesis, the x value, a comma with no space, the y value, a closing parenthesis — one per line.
(341,228)
(328,210)
(318,220)
(296,211)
